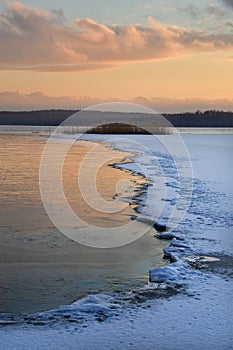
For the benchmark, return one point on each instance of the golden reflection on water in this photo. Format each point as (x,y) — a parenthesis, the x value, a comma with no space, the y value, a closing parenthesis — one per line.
(107,179)
(19,163)
(36,259)
(20,158)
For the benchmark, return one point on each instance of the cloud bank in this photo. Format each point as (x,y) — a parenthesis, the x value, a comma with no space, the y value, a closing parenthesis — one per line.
(228,3)
(32,39)
(37,100)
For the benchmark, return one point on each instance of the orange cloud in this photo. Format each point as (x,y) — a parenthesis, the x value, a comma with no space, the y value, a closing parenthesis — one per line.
(43,40)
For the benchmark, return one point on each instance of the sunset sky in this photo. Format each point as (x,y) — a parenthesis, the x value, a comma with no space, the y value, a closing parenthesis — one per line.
(172,55)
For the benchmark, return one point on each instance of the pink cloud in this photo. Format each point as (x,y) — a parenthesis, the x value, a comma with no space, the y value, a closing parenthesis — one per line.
(43,40)
(37,100)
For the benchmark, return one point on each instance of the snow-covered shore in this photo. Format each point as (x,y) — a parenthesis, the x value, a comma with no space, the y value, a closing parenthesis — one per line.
(198,314)
(199,321)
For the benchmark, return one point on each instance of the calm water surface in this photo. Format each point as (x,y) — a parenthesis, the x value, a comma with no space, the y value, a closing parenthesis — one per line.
(42,269)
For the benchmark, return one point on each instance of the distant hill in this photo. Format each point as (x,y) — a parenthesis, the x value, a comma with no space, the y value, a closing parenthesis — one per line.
(211,118)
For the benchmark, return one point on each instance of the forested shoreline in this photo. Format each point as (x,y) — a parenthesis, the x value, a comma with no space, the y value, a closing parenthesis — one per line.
(54,117)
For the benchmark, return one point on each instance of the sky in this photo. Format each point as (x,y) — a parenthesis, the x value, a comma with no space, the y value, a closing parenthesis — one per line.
(171,55)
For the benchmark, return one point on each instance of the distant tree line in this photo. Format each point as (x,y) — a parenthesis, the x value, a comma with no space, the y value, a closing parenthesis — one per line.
(118,128)
(54,117)
(210,118)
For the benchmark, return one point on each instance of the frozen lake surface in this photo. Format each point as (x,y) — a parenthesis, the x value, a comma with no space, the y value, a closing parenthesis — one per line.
(195,310)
